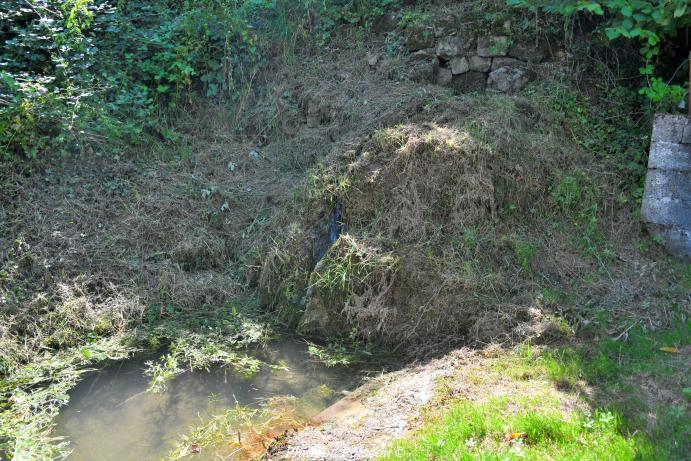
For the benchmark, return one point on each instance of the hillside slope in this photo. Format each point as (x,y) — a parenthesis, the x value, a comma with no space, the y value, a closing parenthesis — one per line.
(439,186)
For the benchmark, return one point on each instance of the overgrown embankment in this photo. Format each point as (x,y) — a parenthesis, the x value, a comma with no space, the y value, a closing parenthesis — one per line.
(444,231)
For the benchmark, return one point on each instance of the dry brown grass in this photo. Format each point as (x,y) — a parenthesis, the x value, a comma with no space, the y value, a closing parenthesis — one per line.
(357,277)
(414,183)
(460,195)
(416,170)
(410,191)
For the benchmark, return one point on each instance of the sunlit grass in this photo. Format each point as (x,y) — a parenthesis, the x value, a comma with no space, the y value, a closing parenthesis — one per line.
(520,428)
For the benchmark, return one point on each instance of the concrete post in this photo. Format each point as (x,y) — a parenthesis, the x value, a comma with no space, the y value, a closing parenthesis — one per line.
(666,208)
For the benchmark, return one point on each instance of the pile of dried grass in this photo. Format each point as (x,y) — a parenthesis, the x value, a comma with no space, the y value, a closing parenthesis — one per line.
(357,278)
(408,195)
(192,291)
(417,182)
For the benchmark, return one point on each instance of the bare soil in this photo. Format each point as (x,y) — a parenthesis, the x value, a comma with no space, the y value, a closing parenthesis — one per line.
(363,425)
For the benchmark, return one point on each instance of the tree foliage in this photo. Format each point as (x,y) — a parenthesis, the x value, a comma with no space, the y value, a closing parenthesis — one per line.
(650,22)
(78,72)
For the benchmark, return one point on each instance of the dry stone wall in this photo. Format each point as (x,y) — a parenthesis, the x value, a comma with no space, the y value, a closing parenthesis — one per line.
(466,61)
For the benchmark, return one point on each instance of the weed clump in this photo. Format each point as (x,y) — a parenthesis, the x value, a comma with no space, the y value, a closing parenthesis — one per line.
(351,285)
(416,182)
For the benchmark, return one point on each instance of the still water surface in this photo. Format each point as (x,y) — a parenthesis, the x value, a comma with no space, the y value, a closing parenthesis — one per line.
(111,416)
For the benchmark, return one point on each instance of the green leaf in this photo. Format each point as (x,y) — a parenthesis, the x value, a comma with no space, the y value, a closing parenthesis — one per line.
(86,353)
(612,33)
(593,7)
(212,90)
(647,70)
(626,11)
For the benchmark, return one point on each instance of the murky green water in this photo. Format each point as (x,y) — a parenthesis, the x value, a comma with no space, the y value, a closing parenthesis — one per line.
(112,417)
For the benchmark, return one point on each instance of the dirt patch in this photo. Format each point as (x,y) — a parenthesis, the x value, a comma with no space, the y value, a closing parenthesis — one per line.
(655,392)
(364,424)
(378,413)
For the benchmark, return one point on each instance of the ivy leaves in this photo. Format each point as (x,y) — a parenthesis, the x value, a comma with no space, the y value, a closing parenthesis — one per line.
(648,21)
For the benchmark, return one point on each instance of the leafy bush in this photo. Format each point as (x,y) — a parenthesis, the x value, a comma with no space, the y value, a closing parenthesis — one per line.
(85,71)
(650,22)
(41,60)
(354,12)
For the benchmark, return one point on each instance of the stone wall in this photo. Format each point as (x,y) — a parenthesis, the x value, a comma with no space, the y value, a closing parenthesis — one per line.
(666,206)
(466,61)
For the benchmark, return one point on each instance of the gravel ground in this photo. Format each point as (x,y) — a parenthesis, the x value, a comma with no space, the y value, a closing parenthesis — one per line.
(362,425)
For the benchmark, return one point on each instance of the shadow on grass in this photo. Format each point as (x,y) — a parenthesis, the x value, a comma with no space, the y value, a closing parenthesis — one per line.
(634,393)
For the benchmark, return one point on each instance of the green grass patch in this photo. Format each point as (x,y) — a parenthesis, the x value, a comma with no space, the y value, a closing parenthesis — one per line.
(616,374)
(641,381)
(613,360)
(631,375)
(495,430)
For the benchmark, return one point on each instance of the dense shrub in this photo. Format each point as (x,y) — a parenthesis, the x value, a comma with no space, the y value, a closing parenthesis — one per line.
(649,22)
(79,71)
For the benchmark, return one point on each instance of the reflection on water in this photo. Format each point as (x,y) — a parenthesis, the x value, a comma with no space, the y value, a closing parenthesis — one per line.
(112,417)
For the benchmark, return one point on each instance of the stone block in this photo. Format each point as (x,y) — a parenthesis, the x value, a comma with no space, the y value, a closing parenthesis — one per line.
(677,241)
(480,64)
(453,46)
(670,156)
(528,53)
(669,128)
(495,45)
(666,211)
(459,65)
(671,184)
(508,80)
(666,207)
(507,62)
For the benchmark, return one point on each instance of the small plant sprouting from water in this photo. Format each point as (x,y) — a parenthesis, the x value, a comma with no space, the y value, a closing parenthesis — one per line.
(214,398)
(162,372)
(339,353)
(244,430)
